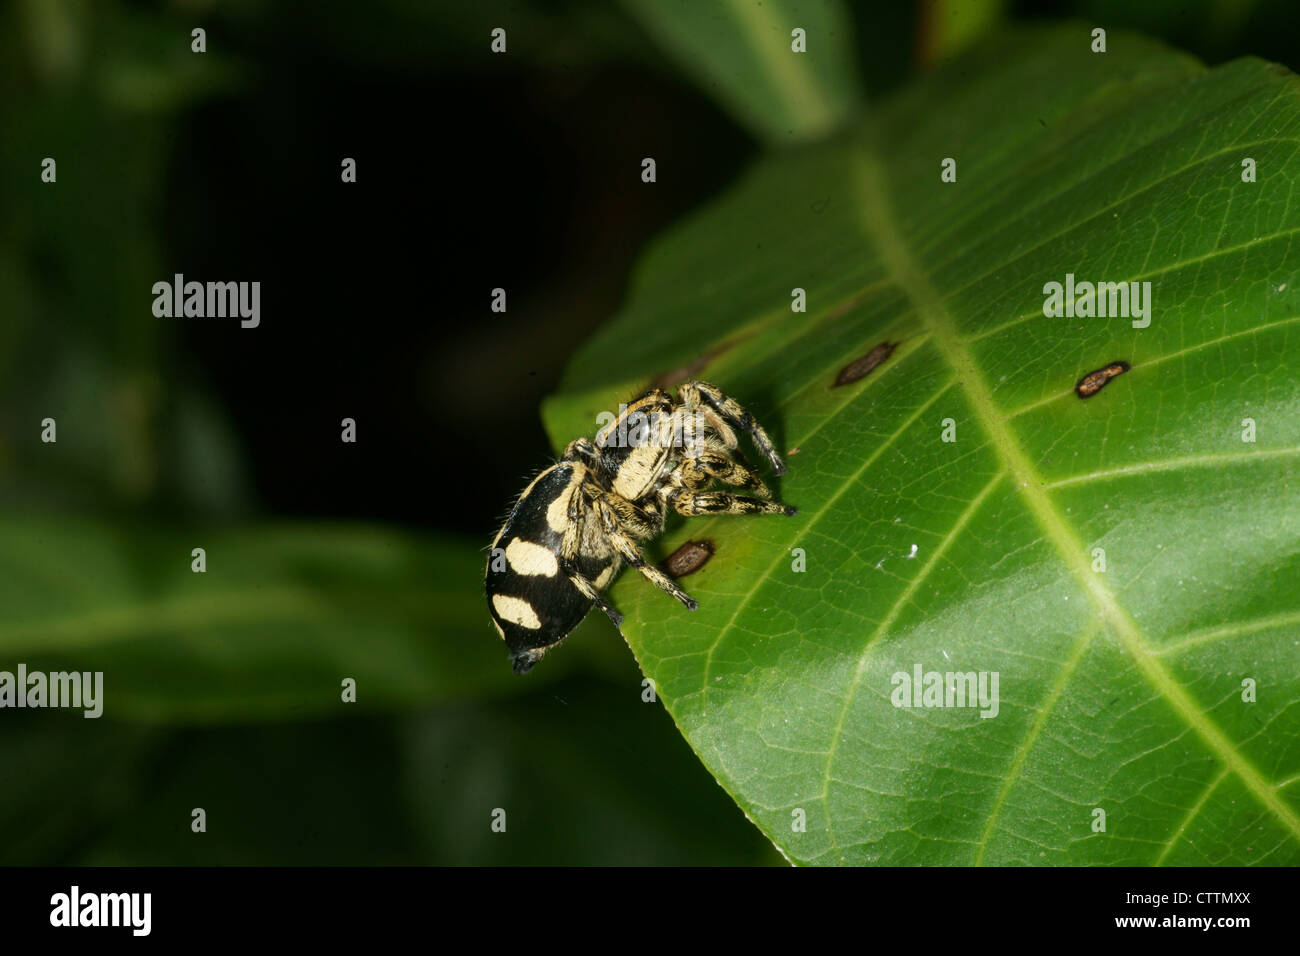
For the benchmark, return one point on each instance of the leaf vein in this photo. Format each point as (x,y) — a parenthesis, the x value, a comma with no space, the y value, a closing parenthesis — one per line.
(880,228)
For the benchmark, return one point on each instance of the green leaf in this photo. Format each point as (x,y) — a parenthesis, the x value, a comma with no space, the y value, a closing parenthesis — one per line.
(1120,691)
(281,616)
(741,52)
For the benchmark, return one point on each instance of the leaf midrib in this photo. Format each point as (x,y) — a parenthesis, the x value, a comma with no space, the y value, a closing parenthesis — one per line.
(792,79)
(880,228)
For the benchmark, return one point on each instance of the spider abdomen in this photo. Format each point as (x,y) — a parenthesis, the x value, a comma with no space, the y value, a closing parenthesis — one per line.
(531,599)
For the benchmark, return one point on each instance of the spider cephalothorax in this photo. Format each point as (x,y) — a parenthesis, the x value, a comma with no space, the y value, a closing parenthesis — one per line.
(572,528)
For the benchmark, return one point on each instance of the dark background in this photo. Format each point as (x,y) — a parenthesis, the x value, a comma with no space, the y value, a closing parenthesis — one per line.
(475,171)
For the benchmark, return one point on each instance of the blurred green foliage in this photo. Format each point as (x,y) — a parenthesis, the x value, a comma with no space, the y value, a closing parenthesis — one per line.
(223,689)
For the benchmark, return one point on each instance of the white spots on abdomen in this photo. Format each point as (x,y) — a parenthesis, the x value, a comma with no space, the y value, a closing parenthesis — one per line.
(557,513)
(516,611)
(524,557)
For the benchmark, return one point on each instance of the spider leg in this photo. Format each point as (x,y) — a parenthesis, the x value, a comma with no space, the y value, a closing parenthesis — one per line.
(569,549)
(628,517)
(588,590)
(626,548)
(692,394)
(581,449)
(717,461)
(691,503)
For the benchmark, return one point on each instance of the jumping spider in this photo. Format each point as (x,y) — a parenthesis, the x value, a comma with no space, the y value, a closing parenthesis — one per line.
(572,528)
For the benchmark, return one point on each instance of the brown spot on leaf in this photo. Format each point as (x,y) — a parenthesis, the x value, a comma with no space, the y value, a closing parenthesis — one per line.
(1093,382)
(689,558)
(848,305)
(685,373)
(861,368)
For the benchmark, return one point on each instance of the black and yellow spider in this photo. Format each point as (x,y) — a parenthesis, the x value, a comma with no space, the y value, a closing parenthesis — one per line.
(572,528)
